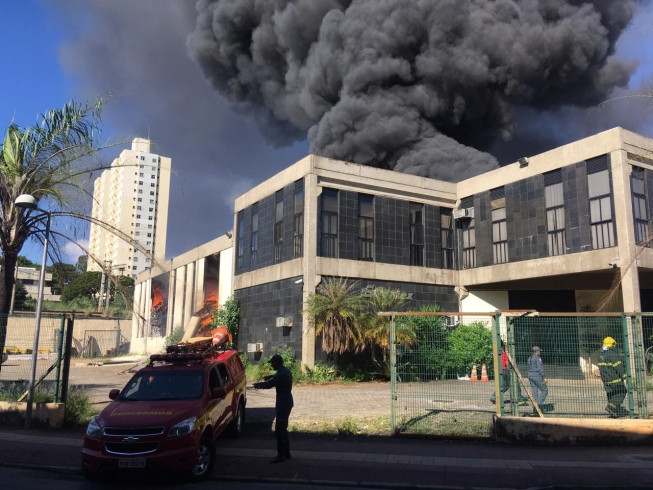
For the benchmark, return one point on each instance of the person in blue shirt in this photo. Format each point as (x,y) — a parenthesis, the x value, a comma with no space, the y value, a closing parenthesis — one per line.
(282,381)
(537,378)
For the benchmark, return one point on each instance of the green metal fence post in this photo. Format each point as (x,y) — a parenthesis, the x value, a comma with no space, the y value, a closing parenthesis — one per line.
(629,380)
(57,371)
(496,355)
(393,375)
(640,364)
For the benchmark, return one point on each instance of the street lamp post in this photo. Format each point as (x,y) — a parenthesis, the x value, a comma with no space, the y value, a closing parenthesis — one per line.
(25,201)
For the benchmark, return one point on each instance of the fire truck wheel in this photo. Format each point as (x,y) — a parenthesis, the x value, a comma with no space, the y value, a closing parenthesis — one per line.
(236,426)
(205,459)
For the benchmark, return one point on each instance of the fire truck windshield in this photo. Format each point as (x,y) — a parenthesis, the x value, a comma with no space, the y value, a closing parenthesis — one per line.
(164,385)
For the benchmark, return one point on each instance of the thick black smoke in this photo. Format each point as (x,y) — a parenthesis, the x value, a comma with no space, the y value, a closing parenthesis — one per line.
(421,86)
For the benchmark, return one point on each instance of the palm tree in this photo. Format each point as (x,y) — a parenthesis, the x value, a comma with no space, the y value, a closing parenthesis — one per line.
(335,311)
(39,161)
(376,329)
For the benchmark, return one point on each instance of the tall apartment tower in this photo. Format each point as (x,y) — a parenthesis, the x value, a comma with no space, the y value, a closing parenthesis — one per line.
(131,196)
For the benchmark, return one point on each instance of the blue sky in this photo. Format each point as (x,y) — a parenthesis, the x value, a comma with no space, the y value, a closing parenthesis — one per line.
(55,50)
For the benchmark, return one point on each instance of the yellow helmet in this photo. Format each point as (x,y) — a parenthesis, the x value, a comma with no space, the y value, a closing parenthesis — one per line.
(609,342)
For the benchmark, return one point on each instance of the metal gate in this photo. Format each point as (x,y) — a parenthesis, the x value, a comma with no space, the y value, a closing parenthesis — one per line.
(443,378)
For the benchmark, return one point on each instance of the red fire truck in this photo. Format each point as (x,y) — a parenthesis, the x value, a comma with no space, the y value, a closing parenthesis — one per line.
(170,413)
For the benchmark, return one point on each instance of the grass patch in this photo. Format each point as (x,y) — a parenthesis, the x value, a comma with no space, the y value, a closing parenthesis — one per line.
(348,426)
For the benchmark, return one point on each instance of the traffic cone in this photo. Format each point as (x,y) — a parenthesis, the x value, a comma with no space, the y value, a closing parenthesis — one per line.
(484,373)
(474,375)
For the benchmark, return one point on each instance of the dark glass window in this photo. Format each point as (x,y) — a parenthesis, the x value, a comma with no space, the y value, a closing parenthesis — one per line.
(416,233)
(640,213)
(600,202)
(365,227)
(555,215)
(278,226)
(469,243)
(254,241)
(446,232)
(298,220)
(329,223)
(240,242)
(499,226)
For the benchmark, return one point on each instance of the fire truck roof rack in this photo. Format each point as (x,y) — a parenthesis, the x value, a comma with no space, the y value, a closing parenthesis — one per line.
(185,352)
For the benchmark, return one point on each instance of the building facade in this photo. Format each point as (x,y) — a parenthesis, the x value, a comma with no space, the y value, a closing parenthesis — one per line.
(132,198)
(566,230)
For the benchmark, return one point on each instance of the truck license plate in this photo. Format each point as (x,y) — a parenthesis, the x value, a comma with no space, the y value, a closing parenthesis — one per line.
(131,463)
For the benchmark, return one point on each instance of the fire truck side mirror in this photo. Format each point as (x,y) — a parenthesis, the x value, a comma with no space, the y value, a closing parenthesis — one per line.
(219,393)
(113,394)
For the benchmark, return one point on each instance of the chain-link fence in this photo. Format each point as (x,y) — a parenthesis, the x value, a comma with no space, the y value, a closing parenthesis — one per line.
(18,354)
(443,368)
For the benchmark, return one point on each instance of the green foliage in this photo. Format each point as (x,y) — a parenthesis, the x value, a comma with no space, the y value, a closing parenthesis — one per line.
(79,409)
(429,359)
(20,296)
(229,316)
(62,275)
(86,285)
(336,311)
(321,373)
(470,344)
(175,336)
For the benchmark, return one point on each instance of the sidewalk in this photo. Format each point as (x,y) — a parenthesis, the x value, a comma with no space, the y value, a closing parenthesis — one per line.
(376,462)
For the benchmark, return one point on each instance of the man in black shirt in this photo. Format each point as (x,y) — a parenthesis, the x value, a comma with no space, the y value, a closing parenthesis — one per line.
(282,381)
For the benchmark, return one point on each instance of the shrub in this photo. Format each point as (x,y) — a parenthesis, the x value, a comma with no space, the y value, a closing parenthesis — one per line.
(175,336)
(79,409)
(470,344)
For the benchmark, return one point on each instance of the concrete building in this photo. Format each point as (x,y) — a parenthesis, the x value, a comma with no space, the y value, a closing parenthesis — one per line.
(565,231)
(132,197)
(29,277)
(180,292)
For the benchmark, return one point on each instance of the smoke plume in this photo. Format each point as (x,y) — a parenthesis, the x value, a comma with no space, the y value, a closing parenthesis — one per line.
(420,86)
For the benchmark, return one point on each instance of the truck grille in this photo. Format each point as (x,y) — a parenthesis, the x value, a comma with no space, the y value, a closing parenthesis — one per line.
(131,448)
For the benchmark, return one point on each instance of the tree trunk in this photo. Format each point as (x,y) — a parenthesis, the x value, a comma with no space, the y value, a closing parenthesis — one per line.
(7,279)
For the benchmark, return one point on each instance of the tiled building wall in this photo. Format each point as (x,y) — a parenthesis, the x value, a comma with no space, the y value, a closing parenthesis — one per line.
(526,219)
(432,236)
(259,308)
(483,227)
(348,225)
(574,187)
(392,231)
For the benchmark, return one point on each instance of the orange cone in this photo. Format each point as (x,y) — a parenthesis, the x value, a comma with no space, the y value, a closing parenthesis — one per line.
(484,373)
(474,375)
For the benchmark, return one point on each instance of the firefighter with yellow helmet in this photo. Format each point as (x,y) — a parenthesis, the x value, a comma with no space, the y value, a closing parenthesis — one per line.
(613,374)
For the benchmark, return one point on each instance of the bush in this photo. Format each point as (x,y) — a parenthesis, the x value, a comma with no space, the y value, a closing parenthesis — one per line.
(175,336)
(470,344)
(79,409)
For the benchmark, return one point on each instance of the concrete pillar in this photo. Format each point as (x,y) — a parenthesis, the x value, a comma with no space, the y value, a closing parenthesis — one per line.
(625,231)
(309,263)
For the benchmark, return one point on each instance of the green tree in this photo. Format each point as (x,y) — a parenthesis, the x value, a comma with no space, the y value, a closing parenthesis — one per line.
(229,316)
(470,344)
(82,262)
(62,275)
(85,285)
(39,161)
(336,311)
(20,296)
(375,330)
(426,357)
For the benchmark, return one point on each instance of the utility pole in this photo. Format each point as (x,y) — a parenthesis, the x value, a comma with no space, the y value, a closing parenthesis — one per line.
(101,297)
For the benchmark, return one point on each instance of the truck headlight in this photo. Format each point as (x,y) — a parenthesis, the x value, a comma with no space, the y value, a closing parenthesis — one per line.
(93,430)
(183,428)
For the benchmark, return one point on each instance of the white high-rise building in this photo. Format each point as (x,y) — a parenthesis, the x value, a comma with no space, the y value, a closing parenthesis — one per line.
(132,196)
